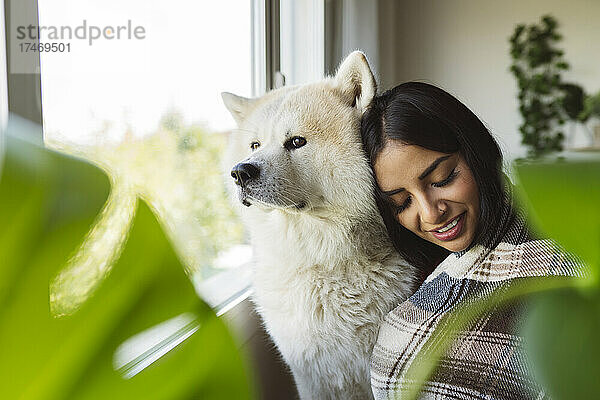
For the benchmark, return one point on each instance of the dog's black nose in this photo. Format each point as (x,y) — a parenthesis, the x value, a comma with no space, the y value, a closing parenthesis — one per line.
(242,173)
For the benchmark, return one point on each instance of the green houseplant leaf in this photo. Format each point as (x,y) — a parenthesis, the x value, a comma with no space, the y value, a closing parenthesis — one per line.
(562,325)
(48,202)
(562,342)
(563,200)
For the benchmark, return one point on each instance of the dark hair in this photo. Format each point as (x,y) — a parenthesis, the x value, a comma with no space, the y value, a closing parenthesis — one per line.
(421,114)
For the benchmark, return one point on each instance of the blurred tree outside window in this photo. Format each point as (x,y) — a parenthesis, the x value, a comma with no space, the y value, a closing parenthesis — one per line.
(149,112)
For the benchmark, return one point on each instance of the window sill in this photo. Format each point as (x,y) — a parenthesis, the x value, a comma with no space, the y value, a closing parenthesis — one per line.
(227,289)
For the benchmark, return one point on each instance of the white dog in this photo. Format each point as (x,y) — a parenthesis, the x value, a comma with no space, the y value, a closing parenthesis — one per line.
(326,273)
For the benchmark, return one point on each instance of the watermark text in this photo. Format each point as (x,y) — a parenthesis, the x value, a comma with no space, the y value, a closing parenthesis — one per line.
(85,31)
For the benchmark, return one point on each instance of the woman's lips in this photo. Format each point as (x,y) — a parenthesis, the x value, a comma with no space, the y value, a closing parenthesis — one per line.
(452,233)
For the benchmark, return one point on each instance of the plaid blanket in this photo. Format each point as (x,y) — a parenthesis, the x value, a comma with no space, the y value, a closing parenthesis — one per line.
(488,360)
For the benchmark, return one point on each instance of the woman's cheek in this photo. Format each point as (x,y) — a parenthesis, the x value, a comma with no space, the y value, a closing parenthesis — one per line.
(465,190)
(408,220)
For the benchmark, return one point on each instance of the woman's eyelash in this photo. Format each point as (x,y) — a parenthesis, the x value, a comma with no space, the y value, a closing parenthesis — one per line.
(446,181)
(404,206)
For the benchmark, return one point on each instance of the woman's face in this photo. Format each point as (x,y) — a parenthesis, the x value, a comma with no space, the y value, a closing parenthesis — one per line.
(434,195)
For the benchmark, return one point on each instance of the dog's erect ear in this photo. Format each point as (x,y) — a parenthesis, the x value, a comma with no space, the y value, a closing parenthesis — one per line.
(355,79)
(238,106)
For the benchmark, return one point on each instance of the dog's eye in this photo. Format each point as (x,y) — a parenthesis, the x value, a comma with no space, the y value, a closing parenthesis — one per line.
(295,142)
(254,145)
(298,141)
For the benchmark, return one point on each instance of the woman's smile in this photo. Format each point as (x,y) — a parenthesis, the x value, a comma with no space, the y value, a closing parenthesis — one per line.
(451,230)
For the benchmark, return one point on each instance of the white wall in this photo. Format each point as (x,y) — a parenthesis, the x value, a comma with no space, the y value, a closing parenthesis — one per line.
(359,17)
(462,46)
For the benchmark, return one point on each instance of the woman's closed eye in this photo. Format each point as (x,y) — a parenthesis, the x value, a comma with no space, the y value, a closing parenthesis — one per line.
(446,181)
(399,208)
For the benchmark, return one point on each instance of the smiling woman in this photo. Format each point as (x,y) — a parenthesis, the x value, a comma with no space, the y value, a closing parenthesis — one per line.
(451,167)
(440,190)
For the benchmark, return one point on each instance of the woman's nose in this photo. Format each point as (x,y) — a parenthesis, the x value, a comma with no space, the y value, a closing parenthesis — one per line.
(432,211)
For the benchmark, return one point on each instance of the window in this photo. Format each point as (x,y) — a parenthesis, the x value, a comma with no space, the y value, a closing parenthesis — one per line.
(135,87)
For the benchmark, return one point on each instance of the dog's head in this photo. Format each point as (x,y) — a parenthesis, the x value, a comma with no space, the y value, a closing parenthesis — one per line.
(298,148)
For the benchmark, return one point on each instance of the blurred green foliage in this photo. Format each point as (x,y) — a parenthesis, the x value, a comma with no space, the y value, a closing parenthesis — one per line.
(562,327)
(591,107)
(563,200)
(48,202)
(545,102)
(562,342)
(178,171)
(573,101)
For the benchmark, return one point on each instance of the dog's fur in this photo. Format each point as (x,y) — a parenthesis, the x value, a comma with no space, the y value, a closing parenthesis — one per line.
(326,274)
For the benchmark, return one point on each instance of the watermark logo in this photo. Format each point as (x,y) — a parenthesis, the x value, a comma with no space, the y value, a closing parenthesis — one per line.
(88,32)
(28,40)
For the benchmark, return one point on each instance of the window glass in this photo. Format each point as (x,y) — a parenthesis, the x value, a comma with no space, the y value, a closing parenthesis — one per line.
(135,87)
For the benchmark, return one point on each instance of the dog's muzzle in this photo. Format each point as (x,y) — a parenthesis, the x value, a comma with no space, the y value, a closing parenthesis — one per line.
(243,173)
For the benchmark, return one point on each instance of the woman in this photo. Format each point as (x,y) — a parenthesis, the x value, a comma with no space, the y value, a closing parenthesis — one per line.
(441,193)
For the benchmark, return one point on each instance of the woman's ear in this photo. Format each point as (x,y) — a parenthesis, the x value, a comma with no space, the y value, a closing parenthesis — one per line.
(356,81)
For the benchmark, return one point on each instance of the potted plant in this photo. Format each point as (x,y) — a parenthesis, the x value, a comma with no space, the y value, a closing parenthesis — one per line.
(537,65)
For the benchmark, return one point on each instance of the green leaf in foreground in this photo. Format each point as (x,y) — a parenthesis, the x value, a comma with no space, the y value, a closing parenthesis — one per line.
(564,200)
(48,203)
(562,341)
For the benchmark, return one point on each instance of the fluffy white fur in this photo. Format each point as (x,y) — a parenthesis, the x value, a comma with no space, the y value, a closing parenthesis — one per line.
(325,272)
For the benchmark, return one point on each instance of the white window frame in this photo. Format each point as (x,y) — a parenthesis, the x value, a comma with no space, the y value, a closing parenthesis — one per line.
(302,38)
